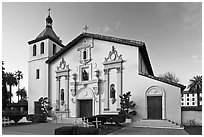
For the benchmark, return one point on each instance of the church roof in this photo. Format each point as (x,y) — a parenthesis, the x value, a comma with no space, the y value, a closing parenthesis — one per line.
(48,32)
(162,80)
(135,43)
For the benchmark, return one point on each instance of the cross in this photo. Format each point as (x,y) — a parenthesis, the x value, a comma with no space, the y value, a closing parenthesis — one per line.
(49,10)
(86,28)
(97,122)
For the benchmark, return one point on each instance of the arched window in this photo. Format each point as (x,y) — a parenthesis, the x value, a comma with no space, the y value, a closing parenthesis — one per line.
(85,75)
(34,50)
(62,94)
(84,54)
(54,49)
(42,48)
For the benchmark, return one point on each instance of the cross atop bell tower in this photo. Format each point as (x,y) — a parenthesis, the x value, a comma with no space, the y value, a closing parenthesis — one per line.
(49,19)
(49,11)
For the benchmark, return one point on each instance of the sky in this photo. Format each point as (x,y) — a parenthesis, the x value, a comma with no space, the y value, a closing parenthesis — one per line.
(172,32)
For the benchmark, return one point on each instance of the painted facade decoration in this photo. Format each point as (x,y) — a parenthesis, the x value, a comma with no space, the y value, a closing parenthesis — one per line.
(87,76)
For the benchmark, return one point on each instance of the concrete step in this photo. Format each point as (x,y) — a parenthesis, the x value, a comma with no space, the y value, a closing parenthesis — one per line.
(156,124)
(67,120)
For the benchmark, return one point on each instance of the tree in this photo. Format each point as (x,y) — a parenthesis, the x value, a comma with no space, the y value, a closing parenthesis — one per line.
(195,86)
(11,81)
(126,104)
(22,93)
(171,77)
(18,76)
(44,105)
(5,97)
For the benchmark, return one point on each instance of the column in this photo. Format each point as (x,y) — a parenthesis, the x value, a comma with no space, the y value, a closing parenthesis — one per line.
(67,91)
(58,93)
(106,92)
(119,86)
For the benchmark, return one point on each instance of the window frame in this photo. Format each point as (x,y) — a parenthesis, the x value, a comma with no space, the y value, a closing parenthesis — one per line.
(54,49)
(42,48)
(37,73)
(34,50)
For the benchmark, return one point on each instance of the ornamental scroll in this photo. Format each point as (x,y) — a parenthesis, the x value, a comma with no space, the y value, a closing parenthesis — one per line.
(113,55)
(62,65)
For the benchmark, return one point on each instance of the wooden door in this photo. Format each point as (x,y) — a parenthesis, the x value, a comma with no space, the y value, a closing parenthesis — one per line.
(85,107)
(154,107)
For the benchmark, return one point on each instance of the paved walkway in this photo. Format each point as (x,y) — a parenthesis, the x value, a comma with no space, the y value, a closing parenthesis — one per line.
(33,129)
(148,131)
(48,129)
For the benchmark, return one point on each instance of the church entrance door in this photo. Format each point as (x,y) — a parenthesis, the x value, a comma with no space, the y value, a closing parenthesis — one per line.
(154,107)
(85,108)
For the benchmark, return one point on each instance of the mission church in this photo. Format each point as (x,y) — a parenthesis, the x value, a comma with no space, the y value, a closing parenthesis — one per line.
(86,76)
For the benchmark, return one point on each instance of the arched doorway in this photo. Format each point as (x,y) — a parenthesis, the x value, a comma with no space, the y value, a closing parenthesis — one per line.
(85,102)
(155,103)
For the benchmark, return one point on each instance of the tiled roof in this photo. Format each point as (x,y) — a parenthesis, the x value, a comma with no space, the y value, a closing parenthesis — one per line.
(139,44)
(47,33)
(114,39)
(162,80)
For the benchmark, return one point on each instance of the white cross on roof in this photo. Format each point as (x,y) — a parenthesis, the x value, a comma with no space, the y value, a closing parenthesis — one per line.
(86,28)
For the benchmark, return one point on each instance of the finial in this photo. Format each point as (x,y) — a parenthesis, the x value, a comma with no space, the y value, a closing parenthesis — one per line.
(49,11)
(86,28)
(113,48)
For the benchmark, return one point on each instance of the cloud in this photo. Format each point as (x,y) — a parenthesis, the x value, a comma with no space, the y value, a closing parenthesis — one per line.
(188,13)
(106,29)
(117,24)
(194,56)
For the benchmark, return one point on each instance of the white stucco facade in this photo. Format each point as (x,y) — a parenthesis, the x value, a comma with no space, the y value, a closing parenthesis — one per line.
(86,77)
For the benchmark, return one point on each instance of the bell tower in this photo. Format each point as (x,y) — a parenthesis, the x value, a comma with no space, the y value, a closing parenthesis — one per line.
(45,45)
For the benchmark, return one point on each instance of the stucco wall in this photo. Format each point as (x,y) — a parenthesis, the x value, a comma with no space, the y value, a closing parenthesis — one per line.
(131,80)
(38,87)
(195,116)
(100,50)
(172,93)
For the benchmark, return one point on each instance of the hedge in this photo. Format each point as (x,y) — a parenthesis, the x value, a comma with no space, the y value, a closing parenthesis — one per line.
(37,118)
(66,130)
(16,116)
(191,108)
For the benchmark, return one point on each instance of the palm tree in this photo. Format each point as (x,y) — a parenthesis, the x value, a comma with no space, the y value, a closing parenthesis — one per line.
(5,97)
(195,86)
(18,94)
(19,76)
(11,81)
(171,77)
(23,94)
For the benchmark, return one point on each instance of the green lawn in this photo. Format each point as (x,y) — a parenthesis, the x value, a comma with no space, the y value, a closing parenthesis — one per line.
(194,130)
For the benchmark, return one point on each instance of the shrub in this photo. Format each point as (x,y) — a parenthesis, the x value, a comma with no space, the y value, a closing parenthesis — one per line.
(87,131)
(101,118)
(16,116)
(37,118)
(64,131)
(119,119)
(191,108)
(16,119)
(76,131)
(126,105)
(115,118)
